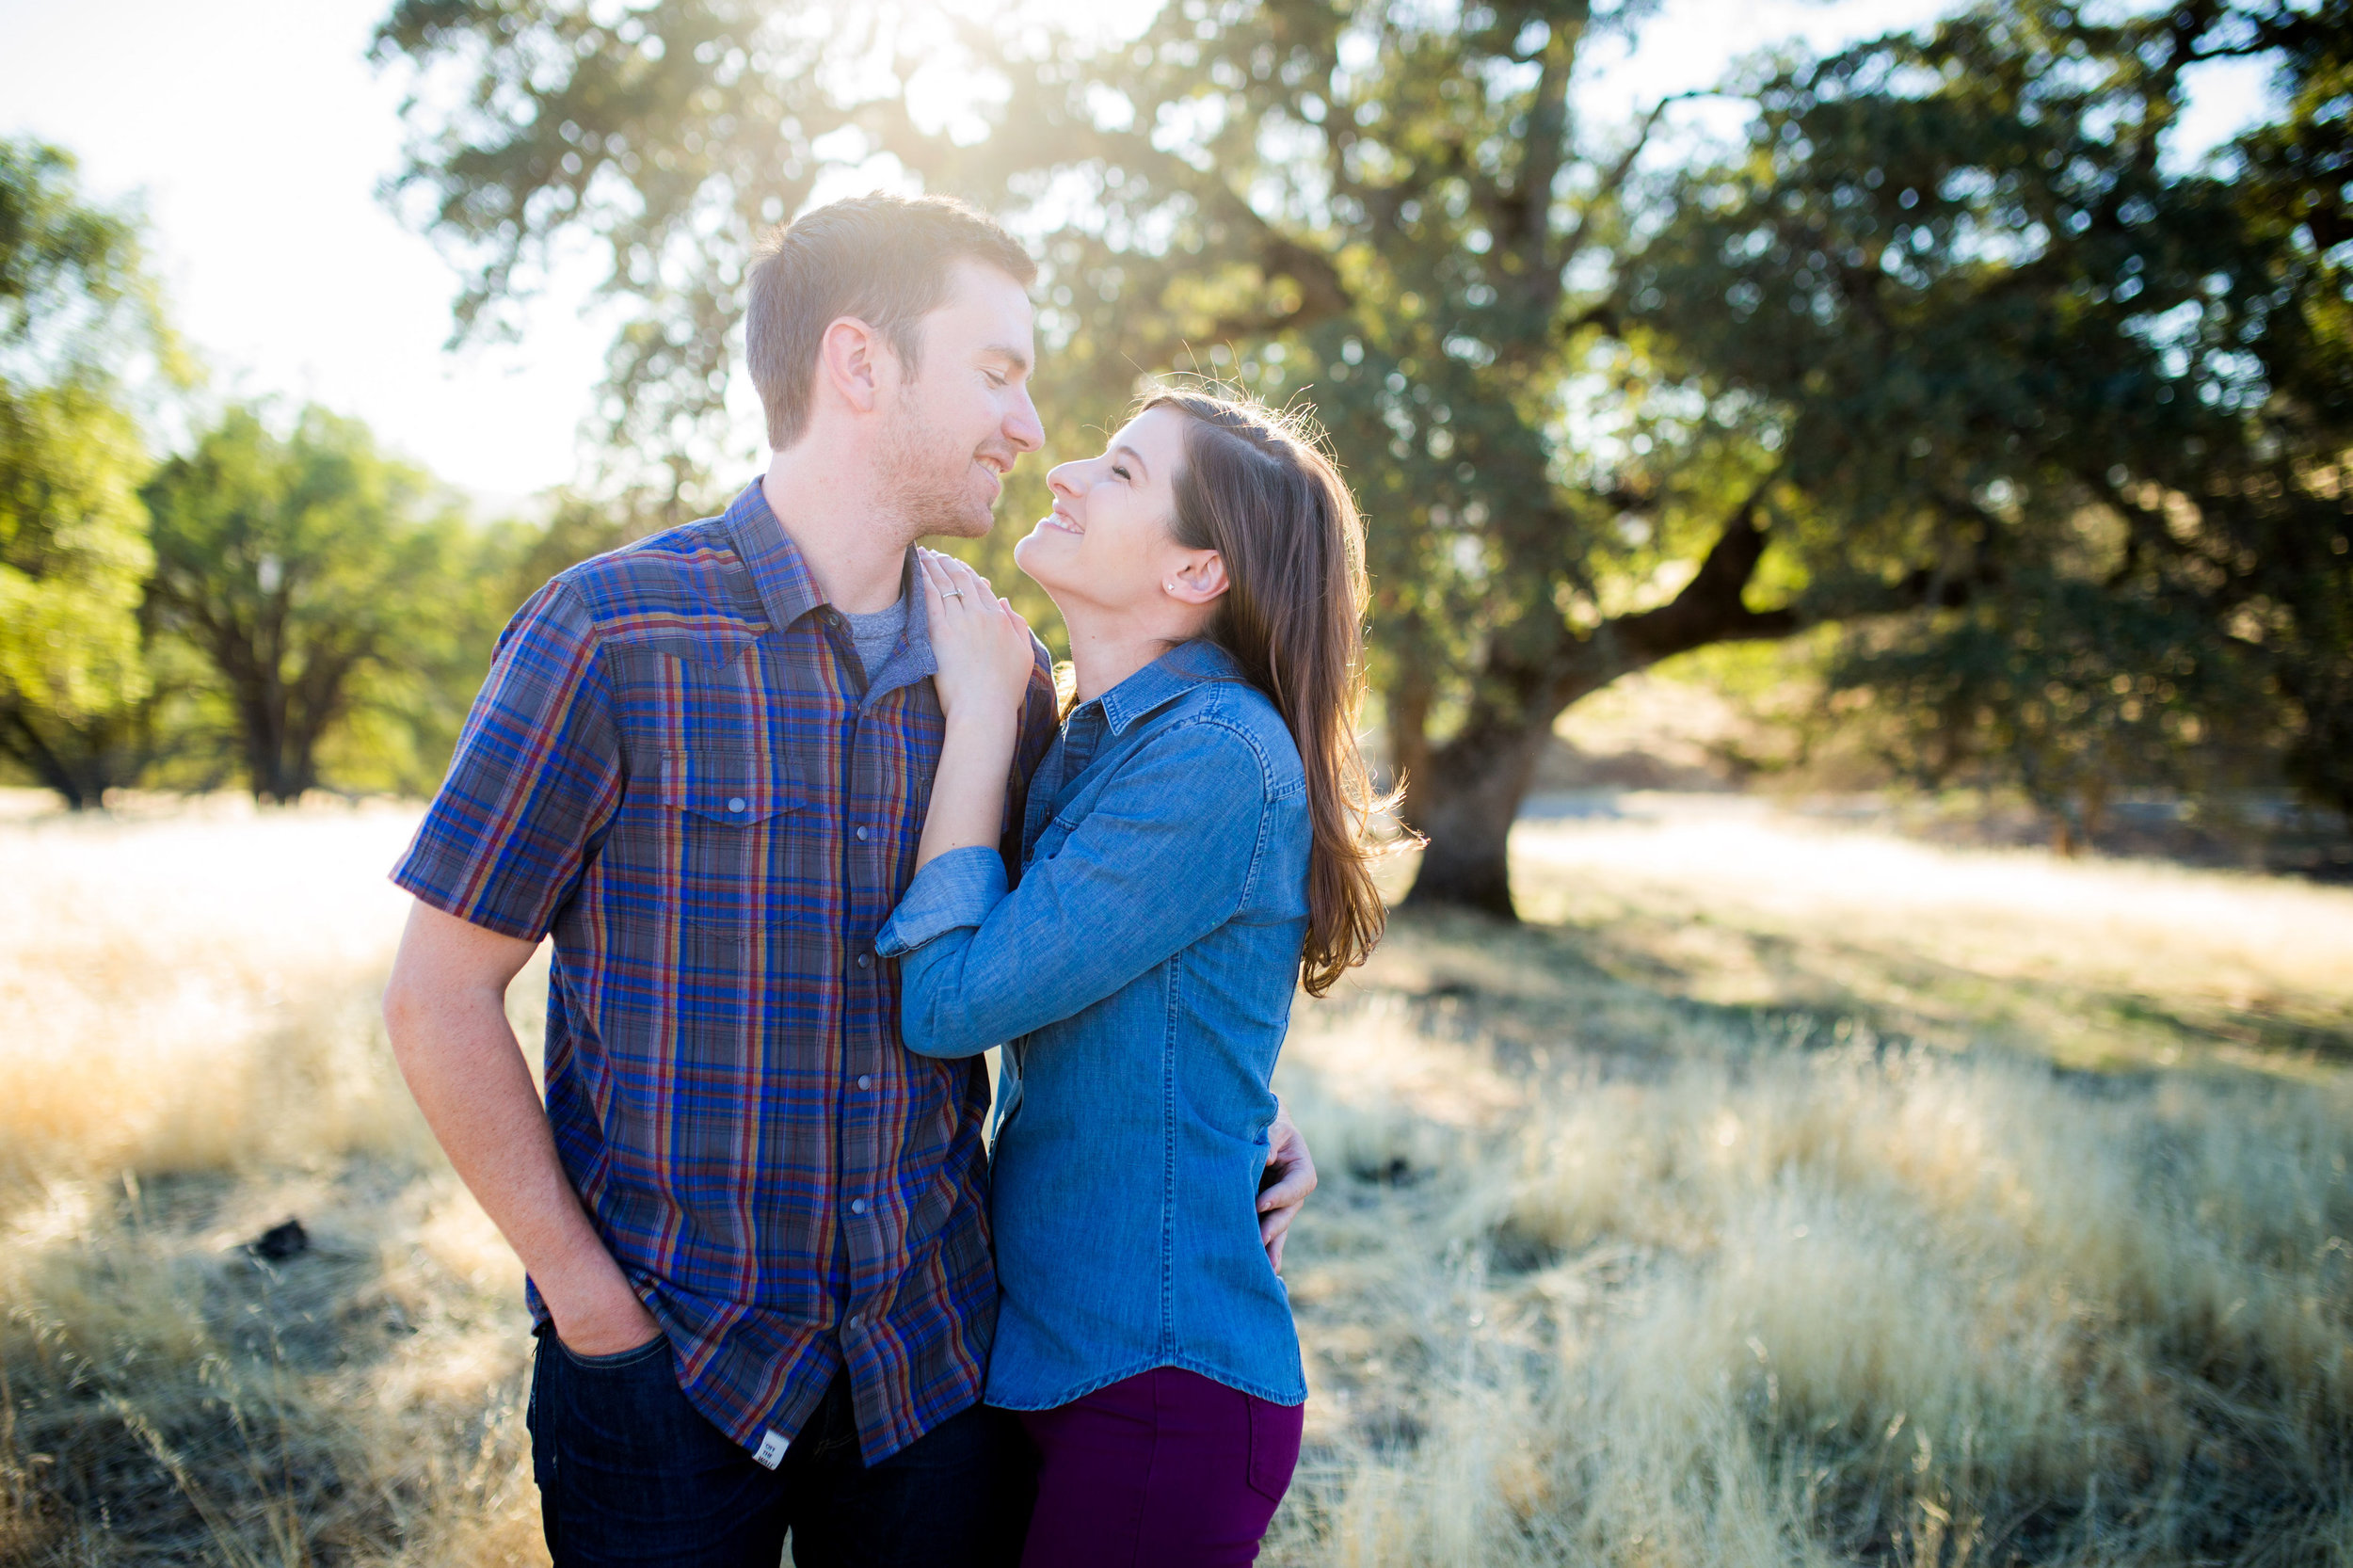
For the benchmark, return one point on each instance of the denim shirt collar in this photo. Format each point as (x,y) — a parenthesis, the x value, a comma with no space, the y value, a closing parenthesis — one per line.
(1164,679)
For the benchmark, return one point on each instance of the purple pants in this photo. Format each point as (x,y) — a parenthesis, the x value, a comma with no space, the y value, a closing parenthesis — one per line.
(1166,1469)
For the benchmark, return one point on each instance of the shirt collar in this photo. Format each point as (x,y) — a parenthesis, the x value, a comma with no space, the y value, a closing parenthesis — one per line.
(786,589)
(787,592)
(1167,679)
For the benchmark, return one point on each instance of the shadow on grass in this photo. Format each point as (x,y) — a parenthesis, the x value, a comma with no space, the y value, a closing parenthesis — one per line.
(175,1395)
(1611,1001)
(1467,974)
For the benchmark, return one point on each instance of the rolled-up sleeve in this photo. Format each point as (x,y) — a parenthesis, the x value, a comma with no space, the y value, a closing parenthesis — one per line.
(534,783)
(1165,856)
(958,889)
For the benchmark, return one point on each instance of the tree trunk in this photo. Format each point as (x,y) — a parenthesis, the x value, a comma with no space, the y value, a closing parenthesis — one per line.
(1464,802)
(277,761)
(80,788)
(268,769)
(1466,793)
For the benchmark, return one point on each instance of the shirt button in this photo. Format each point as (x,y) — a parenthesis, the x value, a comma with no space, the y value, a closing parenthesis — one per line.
(736,804)
(865,1081)
(864,962)
(858,1206)
(861,835)
(855,1320)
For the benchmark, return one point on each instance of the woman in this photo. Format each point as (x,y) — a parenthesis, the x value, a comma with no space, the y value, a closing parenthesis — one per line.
(1193,842)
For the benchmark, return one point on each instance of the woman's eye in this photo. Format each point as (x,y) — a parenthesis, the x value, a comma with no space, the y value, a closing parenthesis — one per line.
(1120,469)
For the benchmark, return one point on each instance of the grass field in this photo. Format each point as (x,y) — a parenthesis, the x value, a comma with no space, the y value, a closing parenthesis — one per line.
(1778,1195)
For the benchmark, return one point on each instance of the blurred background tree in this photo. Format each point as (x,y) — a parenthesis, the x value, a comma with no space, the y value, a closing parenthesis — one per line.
(329,588)
(290,607)
(1946,354)
(79,315)
(75,692)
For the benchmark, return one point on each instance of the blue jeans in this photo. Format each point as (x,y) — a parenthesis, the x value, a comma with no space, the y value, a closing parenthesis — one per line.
(629,1472)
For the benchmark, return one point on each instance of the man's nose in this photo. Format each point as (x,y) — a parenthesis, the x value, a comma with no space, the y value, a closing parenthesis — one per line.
(1023,428)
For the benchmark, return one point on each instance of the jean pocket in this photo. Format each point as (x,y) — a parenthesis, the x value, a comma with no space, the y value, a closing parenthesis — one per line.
(619,1360)
(542,1455)
(1275,1430)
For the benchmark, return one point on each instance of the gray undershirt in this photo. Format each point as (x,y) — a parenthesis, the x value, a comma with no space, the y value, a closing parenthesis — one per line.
(877,635)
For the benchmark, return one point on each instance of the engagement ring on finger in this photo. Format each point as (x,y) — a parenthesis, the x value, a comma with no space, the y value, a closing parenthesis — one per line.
(952,593)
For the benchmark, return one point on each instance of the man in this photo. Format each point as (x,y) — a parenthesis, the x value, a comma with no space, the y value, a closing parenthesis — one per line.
(754,1222)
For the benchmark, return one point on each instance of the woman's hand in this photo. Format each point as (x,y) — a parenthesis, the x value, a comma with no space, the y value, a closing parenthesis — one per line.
(980,644)
(985,659)
(1290,1175)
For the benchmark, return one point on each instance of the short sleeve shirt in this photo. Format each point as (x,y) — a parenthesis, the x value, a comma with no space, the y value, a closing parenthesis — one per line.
(681,770)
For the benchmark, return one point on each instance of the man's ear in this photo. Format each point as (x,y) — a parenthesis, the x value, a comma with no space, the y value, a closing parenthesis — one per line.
(857,362)
(1199,581)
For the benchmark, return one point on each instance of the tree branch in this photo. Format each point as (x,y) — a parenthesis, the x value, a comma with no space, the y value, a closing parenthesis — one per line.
(1710,609)
(1613,179)
(1547,148)
(1713,608)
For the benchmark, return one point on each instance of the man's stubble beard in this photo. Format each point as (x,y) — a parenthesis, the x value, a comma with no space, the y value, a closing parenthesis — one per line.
(926,480)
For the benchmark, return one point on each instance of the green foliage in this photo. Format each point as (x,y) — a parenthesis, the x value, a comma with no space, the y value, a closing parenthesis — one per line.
(2087,411)
(2283,509)
(73,678)
(76,300)
(78,310)
(326,588)
(2074,690)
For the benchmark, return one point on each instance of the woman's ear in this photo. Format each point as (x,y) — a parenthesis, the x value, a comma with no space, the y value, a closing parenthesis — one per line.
(1200,580)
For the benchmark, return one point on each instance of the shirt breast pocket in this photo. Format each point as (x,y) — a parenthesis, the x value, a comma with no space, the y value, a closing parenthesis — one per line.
(729,819)
(1055,834)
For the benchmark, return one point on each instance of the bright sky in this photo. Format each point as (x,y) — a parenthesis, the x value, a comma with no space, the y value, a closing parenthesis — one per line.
(256,132)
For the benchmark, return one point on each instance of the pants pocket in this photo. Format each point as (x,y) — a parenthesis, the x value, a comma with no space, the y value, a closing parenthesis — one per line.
(543,1446)
(618,1360)
(623,1411)
(1275,1430)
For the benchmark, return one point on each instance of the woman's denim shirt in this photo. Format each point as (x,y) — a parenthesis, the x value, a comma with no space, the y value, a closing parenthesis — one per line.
(1140,974)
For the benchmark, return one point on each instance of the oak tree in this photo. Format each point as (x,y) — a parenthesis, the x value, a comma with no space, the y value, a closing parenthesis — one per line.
(1936,352)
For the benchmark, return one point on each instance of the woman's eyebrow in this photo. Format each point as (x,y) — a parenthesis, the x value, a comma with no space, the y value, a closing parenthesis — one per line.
(1136,457)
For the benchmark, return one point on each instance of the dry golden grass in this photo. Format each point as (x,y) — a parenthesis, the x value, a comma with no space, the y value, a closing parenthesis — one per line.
(1780,1196)
(189,1053)
(1752,1212)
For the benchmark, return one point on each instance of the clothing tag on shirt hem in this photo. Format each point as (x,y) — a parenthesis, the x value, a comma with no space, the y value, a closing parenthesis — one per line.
(771,1446)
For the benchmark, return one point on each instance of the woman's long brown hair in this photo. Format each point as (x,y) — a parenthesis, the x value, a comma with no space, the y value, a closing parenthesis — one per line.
(1260,489)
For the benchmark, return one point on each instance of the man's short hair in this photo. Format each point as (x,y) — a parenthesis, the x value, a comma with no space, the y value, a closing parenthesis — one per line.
(883,259)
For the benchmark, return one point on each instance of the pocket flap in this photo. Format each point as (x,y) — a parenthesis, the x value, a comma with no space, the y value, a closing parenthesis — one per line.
(739,787)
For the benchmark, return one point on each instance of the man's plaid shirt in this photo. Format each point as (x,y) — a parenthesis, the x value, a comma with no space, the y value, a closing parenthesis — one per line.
(678,767)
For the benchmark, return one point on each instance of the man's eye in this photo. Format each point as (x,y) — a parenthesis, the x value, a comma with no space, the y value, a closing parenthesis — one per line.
(994,380)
